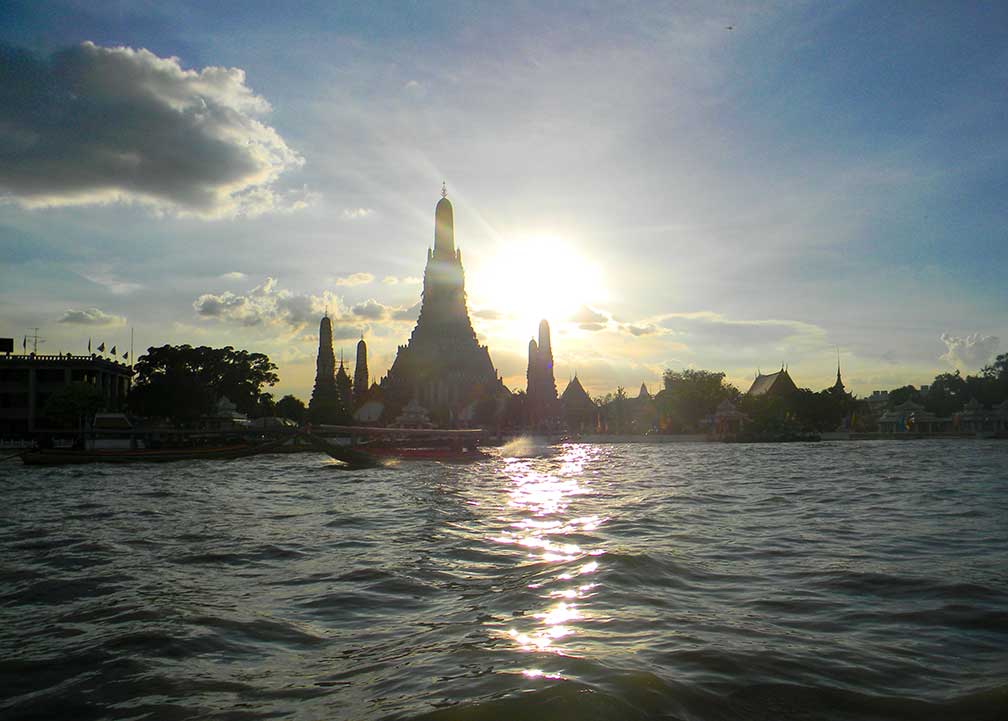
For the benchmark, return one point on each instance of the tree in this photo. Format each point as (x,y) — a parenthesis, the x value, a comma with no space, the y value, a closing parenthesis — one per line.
(903,394)
(70,406)
(947,394)
(616,412)
(184,383)
(690,395)
(995,380)
(292,407)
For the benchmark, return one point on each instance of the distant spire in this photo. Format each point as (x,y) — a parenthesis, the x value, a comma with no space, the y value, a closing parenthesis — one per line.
(444,189)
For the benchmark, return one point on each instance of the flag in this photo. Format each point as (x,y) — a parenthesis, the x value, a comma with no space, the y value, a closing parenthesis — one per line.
(113,351)
(88,345)
(101,347)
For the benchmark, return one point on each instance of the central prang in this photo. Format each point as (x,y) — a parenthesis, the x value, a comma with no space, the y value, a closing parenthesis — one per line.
(443,367)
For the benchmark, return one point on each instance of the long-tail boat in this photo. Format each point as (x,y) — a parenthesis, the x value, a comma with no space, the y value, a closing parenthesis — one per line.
(374,446)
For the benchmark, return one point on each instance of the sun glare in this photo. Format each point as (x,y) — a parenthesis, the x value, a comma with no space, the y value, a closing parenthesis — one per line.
(536,277)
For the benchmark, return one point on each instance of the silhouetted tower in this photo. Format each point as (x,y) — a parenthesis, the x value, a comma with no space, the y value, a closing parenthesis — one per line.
(546,360)
(541,393)
(344,387)
(838,387)
(325,405)
(443,366)
(360,376)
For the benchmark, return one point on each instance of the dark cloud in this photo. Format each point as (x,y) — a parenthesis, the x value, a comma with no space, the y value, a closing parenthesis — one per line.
(592,326)
(371,309)
(407,314)
(92,124)
(91,316)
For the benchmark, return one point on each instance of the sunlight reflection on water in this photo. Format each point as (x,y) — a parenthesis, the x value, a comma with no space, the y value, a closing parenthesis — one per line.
(539,496)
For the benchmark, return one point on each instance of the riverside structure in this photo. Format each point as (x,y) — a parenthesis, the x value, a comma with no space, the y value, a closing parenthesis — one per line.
(27,382)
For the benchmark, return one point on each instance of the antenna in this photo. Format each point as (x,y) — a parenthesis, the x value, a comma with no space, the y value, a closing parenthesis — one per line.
(35,340)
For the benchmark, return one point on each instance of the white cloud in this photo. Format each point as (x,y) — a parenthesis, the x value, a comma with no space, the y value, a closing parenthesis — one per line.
(266,304)
(114,285)
(589,319)
(357,213)
(488,314)
(373,310)
(970,352)
(354,279)
(640,329)
(405,280)
(233,275)
(97,125)
(92,316)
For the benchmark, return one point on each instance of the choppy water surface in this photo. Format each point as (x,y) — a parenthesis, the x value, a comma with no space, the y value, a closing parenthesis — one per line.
(823,581)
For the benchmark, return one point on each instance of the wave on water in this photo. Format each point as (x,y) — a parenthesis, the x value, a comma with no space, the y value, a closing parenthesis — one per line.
(697,582)
(528,447)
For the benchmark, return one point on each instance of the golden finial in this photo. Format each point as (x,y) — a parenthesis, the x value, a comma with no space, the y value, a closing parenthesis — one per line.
(444,189)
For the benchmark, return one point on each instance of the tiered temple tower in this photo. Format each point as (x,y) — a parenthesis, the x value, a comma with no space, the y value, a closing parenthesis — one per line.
(443,366)
(344,387)
(360,376)
(326,405)
(541,393)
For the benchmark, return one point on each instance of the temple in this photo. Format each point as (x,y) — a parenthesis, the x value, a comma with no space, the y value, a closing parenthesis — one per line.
(541,392)
(442,367)
(838,387)
(772,384)
(344,387)
(360,376)
(579,411)
(326,405)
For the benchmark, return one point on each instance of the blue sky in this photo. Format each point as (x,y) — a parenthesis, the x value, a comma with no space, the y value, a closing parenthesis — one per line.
(667,191)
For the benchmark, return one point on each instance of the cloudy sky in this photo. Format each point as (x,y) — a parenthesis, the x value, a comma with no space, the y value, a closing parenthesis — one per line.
(704,184)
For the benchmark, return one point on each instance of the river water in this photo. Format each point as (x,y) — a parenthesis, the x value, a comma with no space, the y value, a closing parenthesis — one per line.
(683,581)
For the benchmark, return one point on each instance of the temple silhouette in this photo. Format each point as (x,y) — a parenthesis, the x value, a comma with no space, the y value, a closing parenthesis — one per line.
(329,401)
(442,367)
(542,403)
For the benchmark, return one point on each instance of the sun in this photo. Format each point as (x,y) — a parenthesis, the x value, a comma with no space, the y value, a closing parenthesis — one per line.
(535,277)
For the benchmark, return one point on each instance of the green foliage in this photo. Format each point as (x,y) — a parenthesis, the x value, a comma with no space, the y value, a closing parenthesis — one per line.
(947,394)
(690,395)
(293,408)
(70,406)
(184,383)
(901,395)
